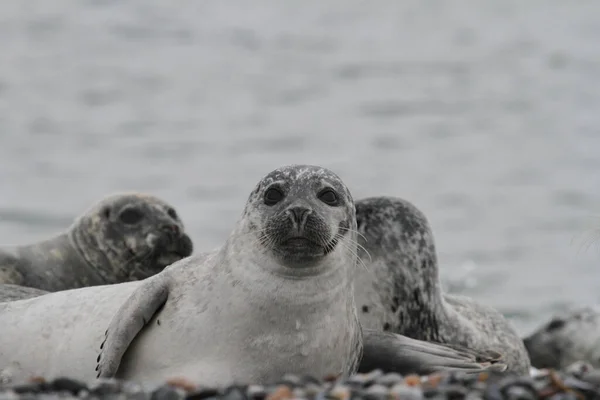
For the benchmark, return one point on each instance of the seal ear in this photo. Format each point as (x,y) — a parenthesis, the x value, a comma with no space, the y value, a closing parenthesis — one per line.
(105,212)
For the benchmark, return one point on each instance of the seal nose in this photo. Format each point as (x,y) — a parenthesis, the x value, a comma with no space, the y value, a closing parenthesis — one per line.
(298,215)
(172,231)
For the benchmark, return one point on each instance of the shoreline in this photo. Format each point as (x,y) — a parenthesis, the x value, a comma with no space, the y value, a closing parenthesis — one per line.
(578,382)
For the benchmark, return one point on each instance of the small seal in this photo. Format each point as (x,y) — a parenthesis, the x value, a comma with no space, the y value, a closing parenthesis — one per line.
(276,297)
(10,292)
(567,338)
(400,290)
(123,237)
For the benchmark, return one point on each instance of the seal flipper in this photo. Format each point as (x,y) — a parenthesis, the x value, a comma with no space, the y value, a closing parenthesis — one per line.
(392,352)
(128,321)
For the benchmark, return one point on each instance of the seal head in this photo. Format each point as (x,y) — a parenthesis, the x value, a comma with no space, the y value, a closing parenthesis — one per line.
(130,236)
(298,215)
(565,339)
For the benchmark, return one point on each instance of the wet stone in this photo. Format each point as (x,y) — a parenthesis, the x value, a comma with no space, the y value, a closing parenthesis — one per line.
(256,392)
(390,379)
(519,393)
(202,394)
(234,393)
(67,385)
(166,392)
(407,392)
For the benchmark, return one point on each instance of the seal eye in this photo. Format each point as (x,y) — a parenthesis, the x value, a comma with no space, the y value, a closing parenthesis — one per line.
(172,213)
(131,216)
(273,196)
(555,324)
(329,197)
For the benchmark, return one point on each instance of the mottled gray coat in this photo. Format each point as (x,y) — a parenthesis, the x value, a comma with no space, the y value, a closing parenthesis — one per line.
(399,291)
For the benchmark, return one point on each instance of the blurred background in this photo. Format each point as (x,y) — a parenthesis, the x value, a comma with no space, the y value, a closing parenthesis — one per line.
(484,114)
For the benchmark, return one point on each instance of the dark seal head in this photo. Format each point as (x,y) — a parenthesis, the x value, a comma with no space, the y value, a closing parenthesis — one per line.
(123,237)
(565,339)
(131,236)
(299,215)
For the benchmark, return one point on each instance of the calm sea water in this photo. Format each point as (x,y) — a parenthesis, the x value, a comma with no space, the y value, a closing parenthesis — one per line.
(485,114)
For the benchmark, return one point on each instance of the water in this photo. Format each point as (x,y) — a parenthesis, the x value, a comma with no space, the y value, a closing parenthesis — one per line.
(482,113)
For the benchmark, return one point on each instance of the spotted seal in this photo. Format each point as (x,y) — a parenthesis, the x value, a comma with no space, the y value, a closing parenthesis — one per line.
(565,339)
(400,289)
(123,237)
(276,297)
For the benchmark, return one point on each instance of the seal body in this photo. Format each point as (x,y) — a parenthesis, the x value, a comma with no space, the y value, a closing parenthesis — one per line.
(276,297)
(565,339)
(121,238)
(399,290)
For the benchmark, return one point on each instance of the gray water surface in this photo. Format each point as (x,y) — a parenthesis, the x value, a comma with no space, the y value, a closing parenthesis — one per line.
(485,114)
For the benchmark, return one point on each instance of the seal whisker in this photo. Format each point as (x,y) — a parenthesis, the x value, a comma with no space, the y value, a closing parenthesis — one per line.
(355,231)
(354,253)
(360,246)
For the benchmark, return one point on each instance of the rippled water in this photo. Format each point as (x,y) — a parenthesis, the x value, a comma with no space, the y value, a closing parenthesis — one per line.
(482,113)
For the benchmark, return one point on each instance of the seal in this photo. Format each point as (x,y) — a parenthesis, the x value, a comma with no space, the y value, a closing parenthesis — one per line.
(400,291)
(123,237)
(10,292)
(276,297)
(567,338)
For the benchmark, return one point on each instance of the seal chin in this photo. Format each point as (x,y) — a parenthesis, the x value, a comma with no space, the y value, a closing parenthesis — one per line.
(302,251)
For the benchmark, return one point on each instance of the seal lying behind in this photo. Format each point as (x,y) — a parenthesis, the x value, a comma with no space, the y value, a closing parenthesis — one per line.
(121,238)
(399,290)
(276,297)
(565,339)
(10,292)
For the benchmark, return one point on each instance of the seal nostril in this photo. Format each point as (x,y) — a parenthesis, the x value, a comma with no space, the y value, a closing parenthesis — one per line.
(171,230)
(298,213)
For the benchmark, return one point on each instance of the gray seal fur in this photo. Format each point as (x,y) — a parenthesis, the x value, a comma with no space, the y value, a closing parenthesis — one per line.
(400,289)
(567,338)
(123,237)
(278,290)
(9,292)
(276,297)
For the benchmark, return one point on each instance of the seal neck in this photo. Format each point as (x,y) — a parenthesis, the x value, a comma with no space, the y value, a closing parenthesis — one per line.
(421,309)
(92,253)
(268,280)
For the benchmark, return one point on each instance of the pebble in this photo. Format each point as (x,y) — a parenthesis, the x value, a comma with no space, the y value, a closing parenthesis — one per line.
(577,382)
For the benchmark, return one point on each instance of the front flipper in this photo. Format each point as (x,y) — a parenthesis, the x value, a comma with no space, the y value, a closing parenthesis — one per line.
(391,352)
(128,321)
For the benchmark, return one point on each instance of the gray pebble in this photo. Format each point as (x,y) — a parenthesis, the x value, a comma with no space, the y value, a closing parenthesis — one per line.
(519,393)
(390,379)
(167,392)
(407,392)
(256,392)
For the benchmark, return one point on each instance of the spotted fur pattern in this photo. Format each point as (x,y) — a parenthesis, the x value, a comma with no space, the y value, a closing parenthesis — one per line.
(401,290)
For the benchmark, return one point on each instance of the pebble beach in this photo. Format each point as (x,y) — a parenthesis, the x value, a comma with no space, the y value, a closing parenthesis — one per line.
(577,382)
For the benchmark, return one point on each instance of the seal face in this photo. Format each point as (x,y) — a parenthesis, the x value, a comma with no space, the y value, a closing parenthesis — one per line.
(565,339)
(401,292)
(137,234)
(123,237)
(303,213)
